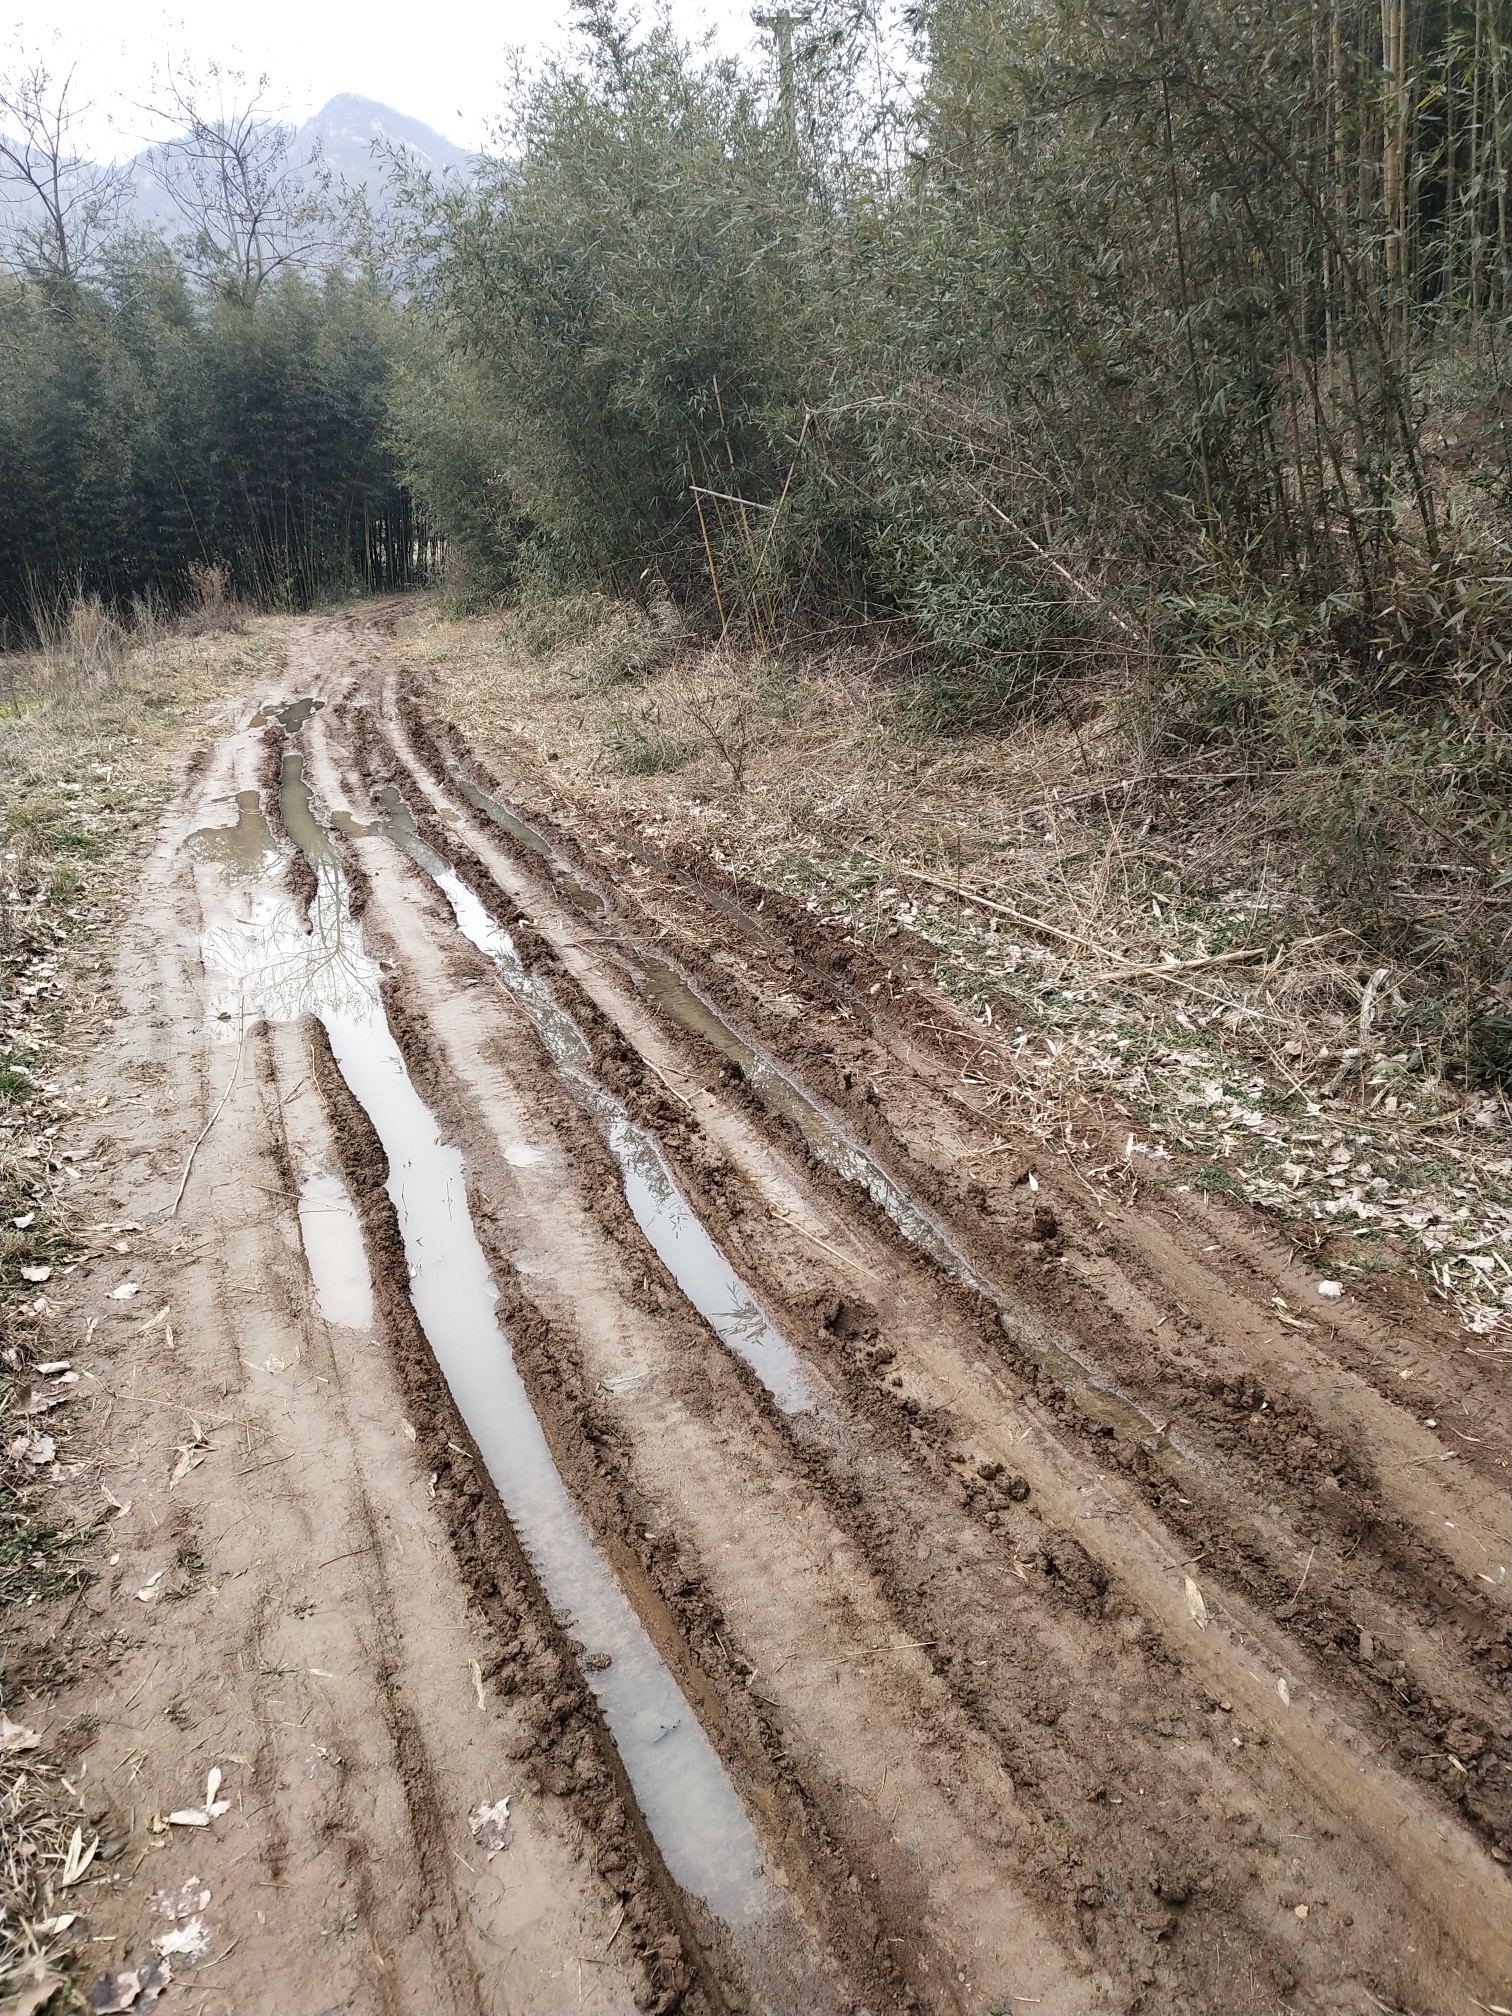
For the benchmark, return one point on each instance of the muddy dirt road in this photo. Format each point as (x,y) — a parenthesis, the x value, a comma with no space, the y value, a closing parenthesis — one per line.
(570,1363)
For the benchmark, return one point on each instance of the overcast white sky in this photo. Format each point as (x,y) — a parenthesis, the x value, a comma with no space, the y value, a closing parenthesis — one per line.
(439,64)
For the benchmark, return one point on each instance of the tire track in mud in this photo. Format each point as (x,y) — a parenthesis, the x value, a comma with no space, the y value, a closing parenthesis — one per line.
(230,1462)
(904,1554)
(889,1517)
(530,1657)
(436,1908)
(527,1662)
(708,1626)
(746,1933)
(1334,1420)
(424,1905)
(1444,1713)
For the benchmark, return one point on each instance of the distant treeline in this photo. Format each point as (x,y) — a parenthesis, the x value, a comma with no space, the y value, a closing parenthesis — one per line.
(148,427)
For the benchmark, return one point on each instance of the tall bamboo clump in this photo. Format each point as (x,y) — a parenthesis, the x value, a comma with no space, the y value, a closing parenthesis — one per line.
(1222,288)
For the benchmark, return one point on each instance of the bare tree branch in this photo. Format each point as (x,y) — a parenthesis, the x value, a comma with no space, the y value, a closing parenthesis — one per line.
(251,204)
(56,209)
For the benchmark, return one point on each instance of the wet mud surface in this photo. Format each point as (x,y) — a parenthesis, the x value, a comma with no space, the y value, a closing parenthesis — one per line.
(889,1574)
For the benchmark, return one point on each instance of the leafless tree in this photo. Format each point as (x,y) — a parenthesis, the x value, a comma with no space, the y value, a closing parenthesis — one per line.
(250,202)
(56,208)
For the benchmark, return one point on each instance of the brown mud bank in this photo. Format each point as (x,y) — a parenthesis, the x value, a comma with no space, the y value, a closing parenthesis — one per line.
(610,1362)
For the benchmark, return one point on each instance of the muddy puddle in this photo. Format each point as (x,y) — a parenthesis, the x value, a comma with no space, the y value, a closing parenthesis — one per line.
(290,718)
(263,956)
(337,1258)
(674,1230)
(299,821)
(247,848)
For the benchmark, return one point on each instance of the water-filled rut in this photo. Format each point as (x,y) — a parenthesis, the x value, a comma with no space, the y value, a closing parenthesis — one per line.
(265,961)
(671,1226)
(832,1144)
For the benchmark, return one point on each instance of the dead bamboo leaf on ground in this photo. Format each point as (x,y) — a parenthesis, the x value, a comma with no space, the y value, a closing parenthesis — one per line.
(78,1858)
(201,1816)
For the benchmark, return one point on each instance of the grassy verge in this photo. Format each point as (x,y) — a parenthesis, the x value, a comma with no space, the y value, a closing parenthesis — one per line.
(1140,938)
(87,763)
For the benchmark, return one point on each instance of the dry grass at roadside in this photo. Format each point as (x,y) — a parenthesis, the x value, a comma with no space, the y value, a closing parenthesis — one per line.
(1124,941)
(93,735)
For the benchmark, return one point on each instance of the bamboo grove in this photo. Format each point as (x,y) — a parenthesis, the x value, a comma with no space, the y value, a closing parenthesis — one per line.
(1100,303)
(1151,353)
(146,432)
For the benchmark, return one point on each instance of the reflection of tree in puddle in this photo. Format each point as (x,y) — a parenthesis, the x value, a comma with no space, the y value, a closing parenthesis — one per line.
(278,969)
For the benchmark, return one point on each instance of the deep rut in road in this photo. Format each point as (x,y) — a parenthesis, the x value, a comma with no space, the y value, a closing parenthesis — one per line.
(907,1614)
(1408,1588)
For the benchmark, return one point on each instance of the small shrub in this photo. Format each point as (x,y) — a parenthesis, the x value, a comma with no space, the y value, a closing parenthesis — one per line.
(213,606)
(637,745)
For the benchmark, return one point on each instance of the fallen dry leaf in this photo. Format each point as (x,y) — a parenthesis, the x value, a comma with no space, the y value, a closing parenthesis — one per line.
(14,1738)
(135,1988)
(40,1398)
(190,1458)
(490,1825)
(196,1816)
(113,1993)
(33,1989)
(76,1862)
(1196,1605)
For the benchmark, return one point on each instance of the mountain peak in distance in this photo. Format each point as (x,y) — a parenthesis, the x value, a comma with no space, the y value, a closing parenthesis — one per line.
(348,125)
